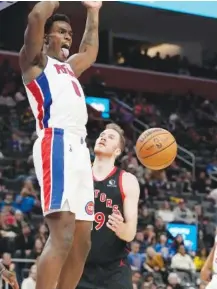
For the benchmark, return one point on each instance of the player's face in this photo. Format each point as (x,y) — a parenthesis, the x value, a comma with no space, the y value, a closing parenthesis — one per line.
(108,144)
(59,37)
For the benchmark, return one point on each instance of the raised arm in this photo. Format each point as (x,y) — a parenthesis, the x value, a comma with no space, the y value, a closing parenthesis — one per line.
(89,46)
(125,228)
(207,267)
(34,34)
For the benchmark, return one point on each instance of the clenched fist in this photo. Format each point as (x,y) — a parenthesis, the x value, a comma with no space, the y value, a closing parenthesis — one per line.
(92,4)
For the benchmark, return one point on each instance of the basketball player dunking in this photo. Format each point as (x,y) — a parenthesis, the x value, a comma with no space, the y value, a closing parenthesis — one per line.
(210,268)
(61,158)
(116,204)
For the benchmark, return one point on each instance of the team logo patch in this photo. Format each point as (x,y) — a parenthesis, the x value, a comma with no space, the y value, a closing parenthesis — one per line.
(112,184)
(89,208)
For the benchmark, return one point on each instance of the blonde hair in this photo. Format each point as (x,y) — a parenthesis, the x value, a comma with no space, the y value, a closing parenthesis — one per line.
(120,131)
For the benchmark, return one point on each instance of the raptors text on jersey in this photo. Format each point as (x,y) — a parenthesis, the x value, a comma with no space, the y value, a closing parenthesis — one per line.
(109,197)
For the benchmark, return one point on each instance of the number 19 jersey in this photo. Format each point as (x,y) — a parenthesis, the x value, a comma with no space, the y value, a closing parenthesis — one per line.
(109,197)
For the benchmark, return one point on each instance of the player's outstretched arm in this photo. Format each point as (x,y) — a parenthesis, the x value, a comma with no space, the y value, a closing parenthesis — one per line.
(125,228)
(89,46)
(34,34)
(207,267)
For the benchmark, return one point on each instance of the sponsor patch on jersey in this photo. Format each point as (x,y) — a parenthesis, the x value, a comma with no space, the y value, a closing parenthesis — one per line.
(89,208)
(112,184)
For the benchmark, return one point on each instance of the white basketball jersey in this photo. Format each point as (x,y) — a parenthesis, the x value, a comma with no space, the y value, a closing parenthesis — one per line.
(214,263)
(57,99)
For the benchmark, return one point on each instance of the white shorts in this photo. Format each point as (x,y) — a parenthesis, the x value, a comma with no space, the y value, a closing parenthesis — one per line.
(63,168)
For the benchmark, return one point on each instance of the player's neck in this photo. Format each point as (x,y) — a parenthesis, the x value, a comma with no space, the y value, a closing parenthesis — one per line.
(49,53)
(102,167)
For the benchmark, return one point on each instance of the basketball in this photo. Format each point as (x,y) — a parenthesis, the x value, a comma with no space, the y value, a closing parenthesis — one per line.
(156,148)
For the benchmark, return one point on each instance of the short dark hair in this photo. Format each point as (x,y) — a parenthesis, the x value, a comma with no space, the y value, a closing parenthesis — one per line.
(120,131)
(54,18)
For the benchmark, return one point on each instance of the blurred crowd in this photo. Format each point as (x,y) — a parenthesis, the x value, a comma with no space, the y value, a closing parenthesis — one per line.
(158,259)
(177,195)
(136,54)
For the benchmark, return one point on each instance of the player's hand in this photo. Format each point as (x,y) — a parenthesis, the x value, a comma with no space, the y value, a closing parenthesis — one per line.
(92,4)
(10,278)
(115,222)
(205,275)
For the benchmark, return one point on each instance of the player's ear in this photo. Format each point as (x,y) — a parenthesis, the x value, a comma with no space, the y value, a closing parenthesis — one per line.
(117,152)
(46,39)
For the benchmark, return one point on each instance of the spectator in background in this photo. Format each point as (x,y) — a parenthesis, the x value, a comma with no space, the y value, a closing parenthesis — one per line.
(9,265)
(165,212)
(162,247)
(187,182)
(30,282)
(145,217)
(148,280)
(173,282)
(24,242)
(7,262)
(198,211)
(160,227)
(176,244)
(140,239)
(136,280)
(183,214)
(200,259)
(27,116)
(15,144)
(6,99)
(213,196)
(183,262)
(20,94)
(173,119)
(37,250)
(2,183)
(201,185)
(42,233)
(27,201)
(212,167)
(149,235)
(138,107)
(129,159)
(135,258)
(8,229)
(8,201)
(154,261)
(19,219)
(161,183)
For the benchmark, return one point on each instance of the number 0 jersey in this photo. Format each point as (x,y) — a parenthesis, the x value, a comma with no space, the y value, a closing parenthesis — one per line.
(57,99)
(109,196)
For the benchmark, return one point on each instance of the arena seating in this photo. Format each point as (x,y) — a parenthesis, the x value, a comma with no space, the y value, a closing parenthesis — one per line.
(163,194)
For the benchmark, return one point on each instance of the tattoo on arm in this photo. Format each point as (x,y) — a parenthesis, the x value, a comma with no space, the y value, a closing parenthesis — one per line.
(90,37)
